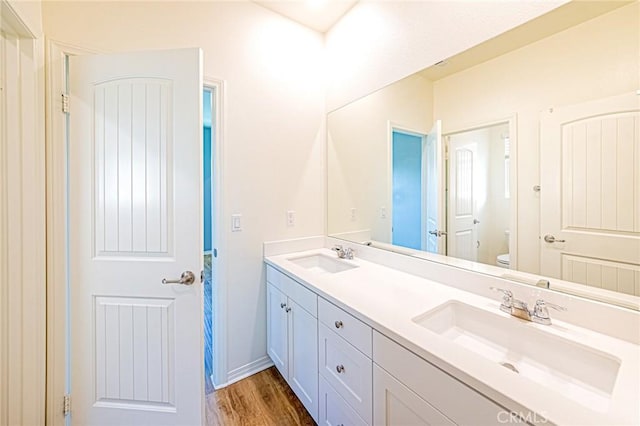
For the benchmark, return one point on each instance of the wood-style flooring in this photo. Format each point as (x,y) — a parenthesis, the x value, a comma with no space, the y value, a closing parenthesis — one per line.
(263,399)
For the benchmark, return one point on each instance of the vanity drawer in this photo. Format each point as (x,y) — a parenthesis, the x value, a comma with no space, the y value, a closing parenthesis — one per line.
(445,393)
(345,325)
(304,297)
(334,410)
(348,370)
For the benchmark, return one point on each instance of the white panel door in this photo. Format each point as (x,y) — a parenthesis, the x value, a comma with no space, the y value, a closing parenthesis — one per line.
(462,238)
(135,146)
(434,191)
(590,197)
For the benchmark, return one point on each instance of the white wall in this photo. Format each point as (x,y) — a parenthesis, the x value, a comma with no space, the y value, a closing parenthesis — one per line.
(274,132)
(596,59)
(358,169)
(379,42)
(30,13)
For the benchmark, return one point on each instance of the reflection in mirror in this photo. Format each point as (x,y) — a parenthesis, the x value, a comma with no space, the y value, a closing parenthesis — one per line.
(537,173)
(478,194)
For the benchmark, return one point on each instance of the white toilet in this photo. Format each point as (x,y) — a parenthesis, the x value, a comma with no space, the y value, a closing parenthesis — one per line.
(502,260)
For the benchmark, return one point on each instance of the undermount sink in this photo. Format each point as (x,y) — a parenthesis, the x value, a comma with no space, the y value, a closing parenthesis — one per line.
(578,372)
(321,263)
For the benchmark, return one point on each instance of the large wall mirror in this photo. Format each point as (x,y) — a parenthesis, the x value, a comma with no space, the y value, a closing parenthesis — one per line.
(518,158)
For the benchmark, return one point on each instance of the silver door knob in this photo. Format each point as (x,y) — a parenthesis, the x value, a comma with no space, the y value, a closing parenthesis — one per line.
(187,278)
(551,239)
(437,233)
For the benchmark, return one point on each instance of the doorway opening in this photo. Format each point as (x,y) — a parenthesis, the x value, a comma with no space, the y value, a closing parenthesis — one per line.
(479,195)
(209,252)
(408,175)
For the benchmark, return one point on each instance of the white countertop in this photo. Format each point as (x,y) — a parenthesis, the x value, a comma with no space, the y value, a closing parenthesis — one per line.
(388,300)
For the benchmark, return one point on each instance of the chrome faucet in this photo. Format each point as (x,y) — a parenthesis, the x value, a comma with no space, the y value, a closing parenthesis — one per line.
(343,253)
(518,308)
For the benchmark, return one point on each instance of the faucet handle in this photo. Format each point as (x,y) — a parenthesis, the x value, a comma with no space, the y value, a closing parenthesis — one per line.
(507,299)
(541,313)
(542,303)
(337,247)
(507,293)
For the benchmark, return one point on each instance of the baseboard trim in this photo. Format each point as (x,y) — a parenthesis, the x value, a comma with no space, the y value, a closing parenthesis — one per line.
(245,371)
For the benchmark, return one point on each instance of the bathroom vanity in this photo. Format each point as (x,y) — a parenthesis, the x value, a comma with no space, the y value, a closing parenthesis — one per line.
(380,339)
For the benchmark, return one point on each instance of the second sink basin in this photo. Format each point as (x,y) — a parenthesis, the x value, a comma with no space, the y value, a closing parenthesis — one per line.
(583,374)
(322,263)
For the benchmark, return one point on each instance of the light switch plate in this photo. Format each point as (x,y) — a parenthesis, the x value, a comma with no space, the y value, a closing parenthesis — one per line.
(236,222)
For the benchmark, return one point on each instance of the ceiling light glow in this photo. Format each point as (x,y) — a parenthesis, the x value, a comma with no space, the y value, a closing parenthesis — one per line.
(316,4)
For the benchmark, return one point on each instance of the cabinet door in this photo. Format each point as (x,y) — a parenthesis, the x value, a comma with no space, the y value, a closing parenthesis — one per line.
(277,340)
(303,357)
(395,404)
(334,410)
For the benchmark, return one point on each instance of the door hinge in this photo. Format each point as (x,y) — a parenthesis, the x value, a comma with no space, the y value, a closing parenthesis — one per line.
(65,103)
(66,405)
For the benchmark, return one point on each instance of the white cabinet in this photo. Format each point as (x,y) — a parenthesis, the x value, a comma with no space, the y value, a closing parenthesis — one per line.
(345,364)
(435,389)
(292,336)
(346,373)
(395,404)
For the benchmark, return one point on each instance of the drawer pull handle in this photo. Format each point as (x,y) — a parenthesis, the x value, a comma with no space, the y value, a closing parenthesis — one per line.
(288,310)
(282,305)
(338,324)
(339,368)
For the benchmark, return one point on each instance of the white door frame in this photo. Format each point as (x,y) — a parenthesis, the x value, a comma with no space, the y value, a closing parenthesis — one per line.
(393,127)
(218,240)
(22,223)
(56,219)
(512,121)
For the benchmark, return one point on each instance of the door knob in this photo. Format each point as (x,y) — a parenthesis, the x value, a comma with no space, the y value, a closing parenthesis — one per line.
(437,233)
(551,239)
(187,278)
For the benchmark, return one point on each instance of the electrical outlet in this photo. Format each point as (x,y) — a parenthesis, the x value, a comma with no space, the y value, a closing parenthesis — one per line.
(353,214)
(291,218)
(383,212)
